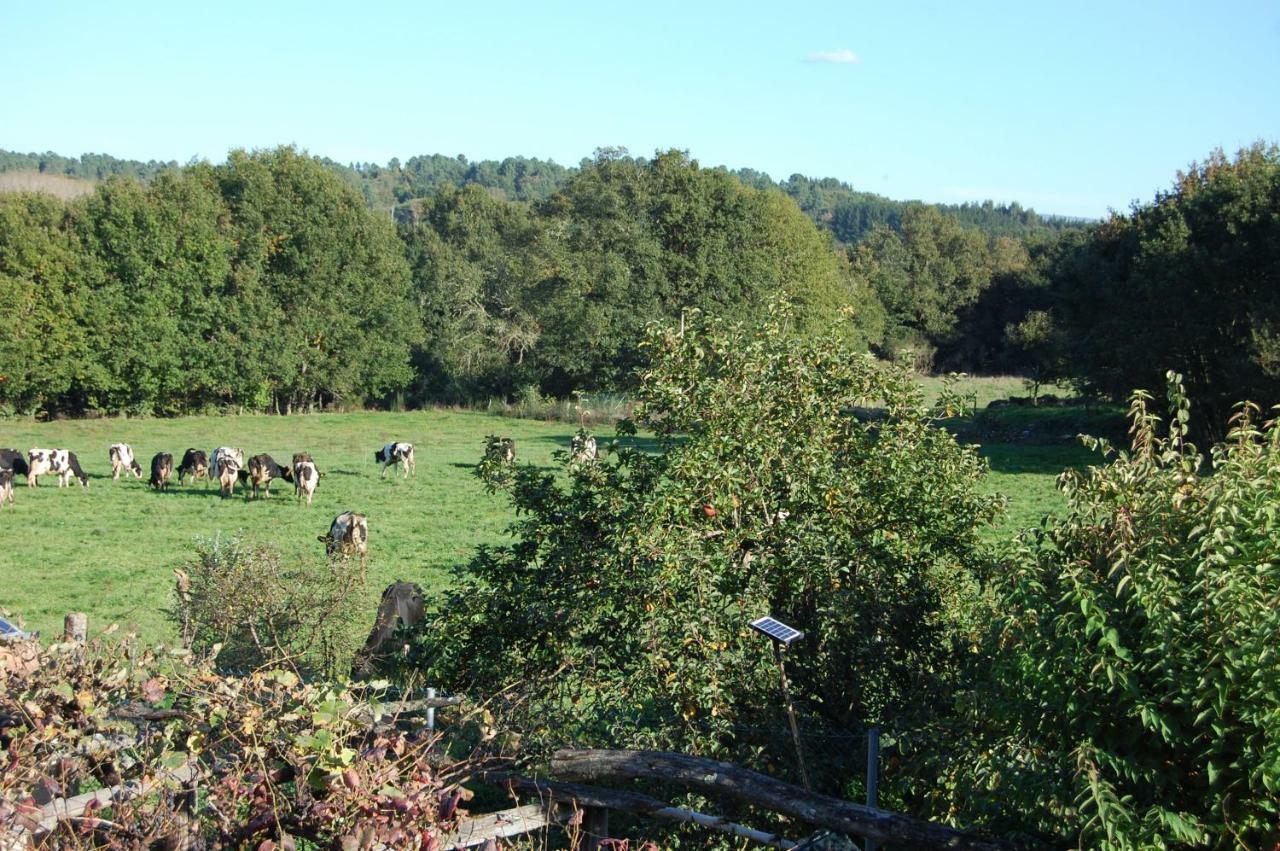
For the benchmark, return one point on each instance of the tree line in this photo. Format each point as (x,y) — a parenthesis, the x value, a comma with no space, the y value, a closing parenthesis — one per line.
(266,283)
(277,280)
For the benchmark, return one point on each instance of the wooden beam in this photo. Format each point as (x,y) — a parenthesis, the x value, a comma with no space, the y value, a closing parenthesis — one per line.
(723,779)
(513,822)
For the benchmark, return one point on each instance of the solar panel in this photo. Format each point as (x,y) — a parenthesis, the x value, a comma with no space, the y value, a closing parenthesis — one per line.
(9,632)
(777,630)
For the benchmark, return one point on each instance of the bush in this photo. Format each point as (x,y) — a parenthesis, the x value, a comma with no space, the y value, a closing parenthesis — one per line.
(1134,700)
(263,761)
(619,614)
(256,610)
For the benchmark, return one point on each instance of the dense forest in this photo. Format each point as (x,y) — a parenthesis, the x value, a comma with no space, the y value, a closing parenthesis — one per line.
(848,213)
(279,281)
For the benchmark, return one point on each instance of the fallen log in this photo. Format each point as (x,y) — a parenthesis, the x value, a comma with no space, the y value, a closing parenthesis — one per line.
(721,778)
(628,802)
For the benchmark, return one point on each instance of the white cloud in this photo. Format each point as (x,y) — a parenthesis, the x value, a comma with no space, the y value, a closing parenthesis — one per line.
(834,57)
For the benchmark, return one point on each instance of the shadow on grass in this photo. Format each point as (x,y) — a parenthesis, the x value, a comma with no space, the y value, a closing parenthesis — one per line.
(1036,459)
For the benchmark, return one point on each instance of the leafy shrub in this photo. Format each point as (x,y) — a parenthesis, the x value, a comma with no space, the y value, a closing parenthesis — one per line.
(244,600)
(1134,700)
(619,614)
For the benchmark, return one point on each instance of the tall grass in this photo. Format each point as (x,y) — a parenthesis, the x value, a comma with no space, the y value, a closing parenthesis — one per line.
(587,409)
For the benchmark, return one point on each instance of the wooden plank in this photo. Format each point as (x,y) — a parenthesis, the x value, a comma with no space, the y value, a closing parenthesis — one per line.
(62,809)
(479,829)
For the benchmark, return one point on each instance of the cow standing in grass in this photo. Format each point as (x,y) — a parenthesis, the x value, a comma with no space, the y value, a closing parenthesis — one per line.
(12,459)
(348,535)
(6,486)
(305,477)
(122,460)
(227,462)
(161,470)
(582,450)
(402,603)
(261,470)
(397,453)
(500,449)
(62,463)
(195,463)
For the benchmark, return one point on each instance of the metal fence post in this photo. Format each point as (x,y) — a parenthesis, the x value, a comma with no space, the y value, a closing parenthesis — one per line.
(873,775)
(431,712)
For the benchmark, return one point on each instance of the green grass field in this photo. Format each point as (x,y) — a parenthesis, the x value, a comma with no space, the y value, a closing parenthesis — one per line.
(110,550)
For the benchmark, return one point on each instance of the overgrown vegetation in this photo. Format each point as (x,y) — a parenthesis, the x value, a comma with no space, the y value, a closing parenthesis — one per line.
(1130,695)
(246,604)
(619,614)
(276,761)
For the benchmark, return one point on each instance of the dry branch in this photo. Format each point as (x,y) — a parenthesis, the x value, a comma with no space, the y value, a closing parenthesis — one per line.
(723,779)
(628,802)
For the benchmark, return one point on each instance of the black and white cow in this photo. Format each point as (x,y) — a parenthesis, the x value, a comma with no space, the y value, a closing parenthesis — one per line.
(348,535)
(228,463)
(12,459)
(6,486)
(60,462)
(396,453)
(122,459)
(234,454)
(582,450)
(261,470)
(305,477)
(195,463)
(500,449)
(161,470)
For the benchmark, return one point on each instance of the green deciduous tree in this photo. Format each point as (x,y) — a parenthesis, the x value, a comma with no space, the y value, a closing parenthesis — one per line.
(620,611)
(44,350)
(1189,282)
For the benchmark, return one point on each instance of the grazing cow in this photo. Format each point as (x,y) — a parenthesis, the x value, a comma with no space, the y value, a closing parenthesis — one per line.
(161,470)
(236,455)
(121,460)
(396,453)
(349,535)
(583,448)
(305,477)
(6,486)
(228,473)
(61,462)
(12,459)
(402,603)
(500,449)
(262,469)
(194,464)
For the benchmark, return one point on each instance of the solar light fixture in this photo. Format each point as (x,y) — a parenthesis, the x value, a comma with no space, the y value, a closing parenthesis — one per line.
(777,630)
(9,632)
(784,636)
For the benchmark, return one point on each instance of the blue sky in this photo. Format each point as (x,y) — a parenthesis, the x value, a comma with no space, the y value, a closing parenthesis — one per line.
(1071,108)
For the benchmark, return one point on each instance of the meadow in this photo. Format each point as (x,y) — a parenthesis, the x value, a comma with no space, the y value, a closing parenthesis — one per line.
(110,550)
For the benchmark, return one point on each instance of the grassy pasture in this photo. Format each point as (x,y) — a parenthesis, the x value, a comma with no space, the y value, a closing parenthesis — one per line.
(110,550)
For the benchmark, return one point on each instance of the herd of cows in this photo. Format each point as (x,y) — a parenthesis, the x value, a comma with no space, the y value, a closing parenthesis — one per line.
(348,533)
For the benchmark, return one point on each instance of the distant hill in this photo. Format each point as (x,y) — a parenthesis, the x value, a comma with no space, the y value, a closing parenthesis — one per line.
(836,206)
(89,166)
